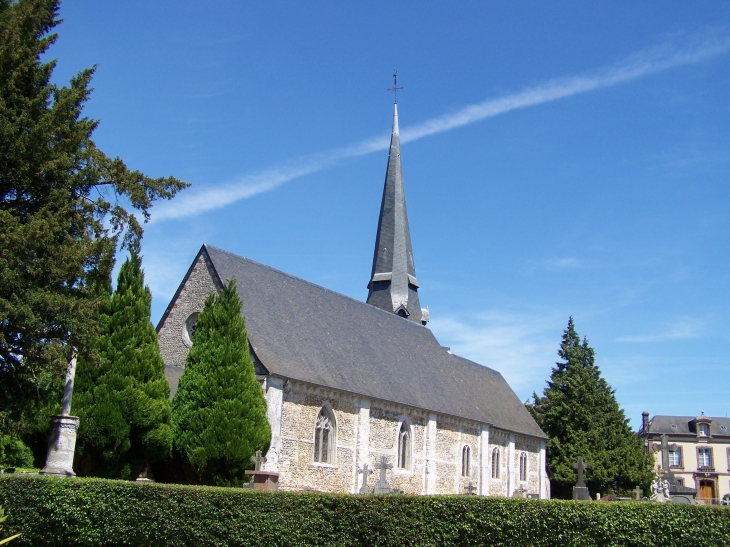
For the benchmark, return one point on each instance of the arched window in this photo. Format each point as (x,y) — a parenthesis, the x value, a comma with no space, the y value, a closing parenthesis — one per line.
(495,463)
(465,461)
(523,466)
(324,437)
(404,447)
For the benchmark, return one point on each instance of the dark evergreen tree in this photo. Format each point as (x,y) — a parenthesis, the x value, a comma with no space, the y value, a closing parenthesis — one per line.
(579,413)
(219,410)
(60,216)
(122,396)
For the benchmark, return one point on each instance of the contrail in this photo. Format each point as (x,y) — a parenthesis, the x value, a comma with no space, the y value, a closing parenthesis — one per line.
(643,63)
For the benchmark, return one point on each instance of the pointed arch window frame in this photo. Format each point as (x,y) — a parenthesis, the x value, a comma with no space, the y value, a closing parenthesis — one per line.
(523,466)
(324,446)
(466,460)
(404,463)
(495,462)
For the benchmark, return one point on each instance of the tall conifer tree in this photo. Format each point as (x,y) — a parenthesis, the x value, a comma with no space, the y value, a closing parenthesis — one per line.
(219,410)
(123,400)
(579,413)
(61,219)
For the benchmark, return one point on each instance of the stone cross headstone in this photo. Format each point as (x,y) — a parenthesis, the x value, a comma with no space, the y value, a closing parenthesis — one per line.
(665,447)
(580,491)
(257,460)
(382,486)
(581,466)
(365,472)
(471,490)
(639,493)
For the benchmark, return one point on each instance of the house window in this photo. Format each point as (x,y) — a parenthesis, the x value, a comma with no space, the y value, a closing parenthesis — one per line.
(495,463)
(404,447)
(523,466)
(324,437)
(704,457)
(675,458)
(704,430)
(465,461)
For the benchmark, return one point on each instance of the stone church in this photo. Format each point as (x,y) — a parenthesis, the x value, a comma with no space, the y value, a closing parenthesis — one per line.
(348,382)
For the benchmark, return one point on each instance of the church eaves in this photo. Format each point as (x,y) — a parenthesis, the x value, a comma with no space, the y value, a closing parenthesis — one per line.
(393,286)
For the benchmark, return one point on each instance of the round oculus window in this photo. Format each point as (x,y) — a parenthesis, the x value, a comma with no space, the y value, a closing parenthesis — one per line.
(188,330)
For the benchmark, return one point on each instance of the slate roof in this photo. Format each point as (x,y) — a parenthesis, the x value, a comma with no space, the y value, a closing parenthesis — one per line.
(663,424)
(305,332)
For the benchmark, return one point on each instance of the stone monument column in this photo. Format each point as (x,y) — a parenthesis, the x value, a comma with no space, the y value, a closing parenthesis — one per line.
(62,439)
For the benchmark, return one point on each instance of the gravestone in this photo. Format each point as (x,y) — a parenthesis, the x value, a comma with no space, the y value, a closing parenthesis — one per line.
(580,490)
(521,492)
(365,472)
(638,493)
(382,486)
(262,480)
(471,490)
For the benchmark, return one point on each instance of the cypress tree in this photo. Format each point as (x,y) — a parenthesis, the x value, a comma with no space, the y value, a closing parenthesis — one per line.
(122,398)
(219,410)
(579,413)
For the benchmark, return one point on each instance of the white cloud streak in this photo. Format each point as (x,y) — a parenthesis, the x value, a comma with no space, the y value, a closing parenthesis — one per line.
(684,328)
(520,346)
(643,63)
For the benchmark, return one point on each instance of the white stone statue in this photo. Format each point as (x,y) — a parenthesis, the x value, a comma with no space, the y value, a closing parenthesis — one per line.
(660,490)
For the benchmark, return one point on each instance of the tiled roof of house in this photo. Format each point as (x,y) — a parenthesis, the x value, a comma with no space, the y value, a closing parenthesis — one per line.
(684,425)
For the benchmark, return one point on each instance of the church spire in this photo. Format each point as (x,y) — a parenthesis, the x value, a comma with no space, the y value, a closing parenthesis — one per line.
(393,286)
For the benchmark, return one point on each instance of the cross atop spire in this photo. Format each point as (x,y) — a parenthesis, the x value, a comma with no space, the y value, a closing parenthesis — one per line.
(393,286)
(395,89)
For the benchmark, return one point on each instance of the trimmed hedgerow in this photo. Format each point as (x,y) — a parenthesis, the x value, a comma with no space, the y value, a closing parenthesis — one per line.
(99,512)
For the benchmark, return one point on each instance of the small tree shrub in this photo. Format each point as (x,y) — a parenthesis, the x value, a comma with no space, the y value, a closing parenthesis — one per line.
(122,400)
(14,453)
(219,411)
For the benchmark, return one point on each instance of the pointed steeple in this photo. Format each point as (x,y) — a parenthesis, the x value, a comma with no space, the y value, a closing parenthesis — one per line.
(393,286)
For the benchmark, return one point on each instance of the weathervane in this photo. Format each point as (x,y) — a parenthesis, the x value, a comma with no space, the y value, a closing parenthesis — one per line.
(395,87)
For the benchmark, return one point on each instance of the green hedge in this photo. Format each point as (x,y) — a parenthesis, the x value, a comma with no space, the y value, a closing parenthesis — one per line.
(99,512)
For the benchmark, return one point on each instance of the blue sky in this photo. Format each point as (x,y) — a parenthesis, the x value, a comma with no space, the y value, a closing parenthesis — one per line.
(560,159)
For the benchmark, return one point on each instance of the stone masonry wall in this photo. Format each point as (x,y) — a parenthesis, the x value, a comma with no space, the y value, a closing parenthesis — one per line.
(385,425)
(499,439)
(532,449)
(199,284)
(298,471)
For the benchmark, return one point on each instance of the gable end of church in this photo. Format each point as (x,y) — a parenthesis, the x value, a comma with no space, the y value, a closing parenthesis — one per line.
(174,331)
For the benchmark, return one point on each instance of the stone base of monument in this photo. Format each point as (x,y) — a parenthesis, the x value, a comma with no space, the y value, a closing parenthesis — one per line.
(682,495)
(61,446)
(264,480)
(146,475)
(581,493)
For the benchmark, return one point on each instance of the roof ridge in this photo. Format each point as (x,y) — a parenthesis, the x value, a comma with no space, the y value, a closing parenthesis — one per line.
(370,306)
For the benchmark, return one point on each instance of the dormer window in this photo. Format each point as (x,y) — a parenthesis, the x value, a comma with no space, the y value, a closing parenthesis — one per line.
(703,430)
